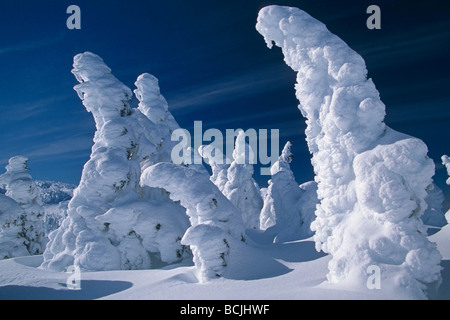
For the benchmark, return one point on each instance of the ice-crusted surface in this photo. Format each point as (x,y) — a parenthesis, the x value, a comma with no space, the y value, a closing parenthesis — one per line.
(216,224)
(371,180)
(22,229)
(113,223)
(282,214)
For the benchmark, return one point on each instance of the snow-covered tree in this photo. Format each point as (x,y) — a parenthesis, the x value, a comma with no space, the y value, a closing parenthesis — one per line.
(281,214)
(11,232)
(27,222)
(241,189)
(446,163)
(215,158)
(434,214)
(371,180)
(216,225)
(157,123)
(112,222)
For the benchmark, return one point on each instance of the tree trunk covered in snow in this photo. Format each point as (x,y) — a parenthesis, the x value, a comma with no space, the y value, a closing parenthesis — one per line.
(371,180)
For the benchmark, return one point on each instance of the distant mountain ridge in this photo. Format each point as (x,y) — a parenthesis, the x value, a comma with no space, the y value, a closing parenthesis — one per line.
(51,192)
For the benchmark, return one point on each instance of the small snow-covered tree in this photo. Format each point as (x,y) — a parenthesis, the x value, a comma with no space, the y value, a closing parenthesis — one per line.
(29,222)
(446,163)
(434,214)
(281,214)
(219,166)
(216,225)
(112,222)
(12,238)
(371,180)
(241,189)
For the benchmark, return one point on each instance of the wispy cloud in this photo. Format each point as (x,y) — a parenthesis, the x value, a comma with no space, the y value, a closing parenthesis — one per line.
(225,89)
(25,110)
(64,148)
(31,45)
(402,45)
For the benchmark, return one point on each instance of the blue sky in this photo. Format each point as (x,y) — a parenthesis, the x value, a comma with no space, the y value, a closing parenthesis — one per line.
(212,66)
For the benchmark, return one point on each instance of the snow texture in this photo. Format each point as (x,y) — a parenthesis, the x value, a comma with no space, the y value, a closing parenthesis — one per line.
(282,214)
(112,222)
(216,224)
(21,215)
(371,180)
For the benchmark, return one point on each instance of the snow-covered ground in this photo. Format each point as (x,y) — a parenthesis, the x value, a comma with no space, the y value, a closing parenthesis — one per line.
(287,271)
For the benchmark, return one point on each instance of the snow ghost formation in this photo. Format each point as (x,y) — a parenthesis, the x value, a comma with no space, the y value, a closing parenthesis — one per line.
(446,163)
(241,189)
(434,215)
(218,163)
(113,223)
(282,214)
(216,224)
(22,229)
(371,179)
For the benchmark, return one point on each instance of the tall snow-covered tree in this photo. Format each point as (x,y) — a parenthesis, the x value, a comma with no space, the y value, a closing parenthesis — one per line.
(371,179)
(112,222)
(281,214)
(154,107)
(241,189)
(29,221)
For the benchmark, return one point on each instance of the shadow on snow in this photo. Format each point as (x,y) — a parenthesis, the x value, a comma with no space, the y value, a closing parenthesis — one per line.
(90,289)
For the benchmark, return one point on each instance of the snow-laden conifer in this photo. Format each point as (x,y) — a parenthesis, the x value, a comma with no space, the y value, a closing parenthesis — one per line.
(241,189)
(22,224)
(371,180)
(446,163)
(112,222)
(281,214)
(216,224)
